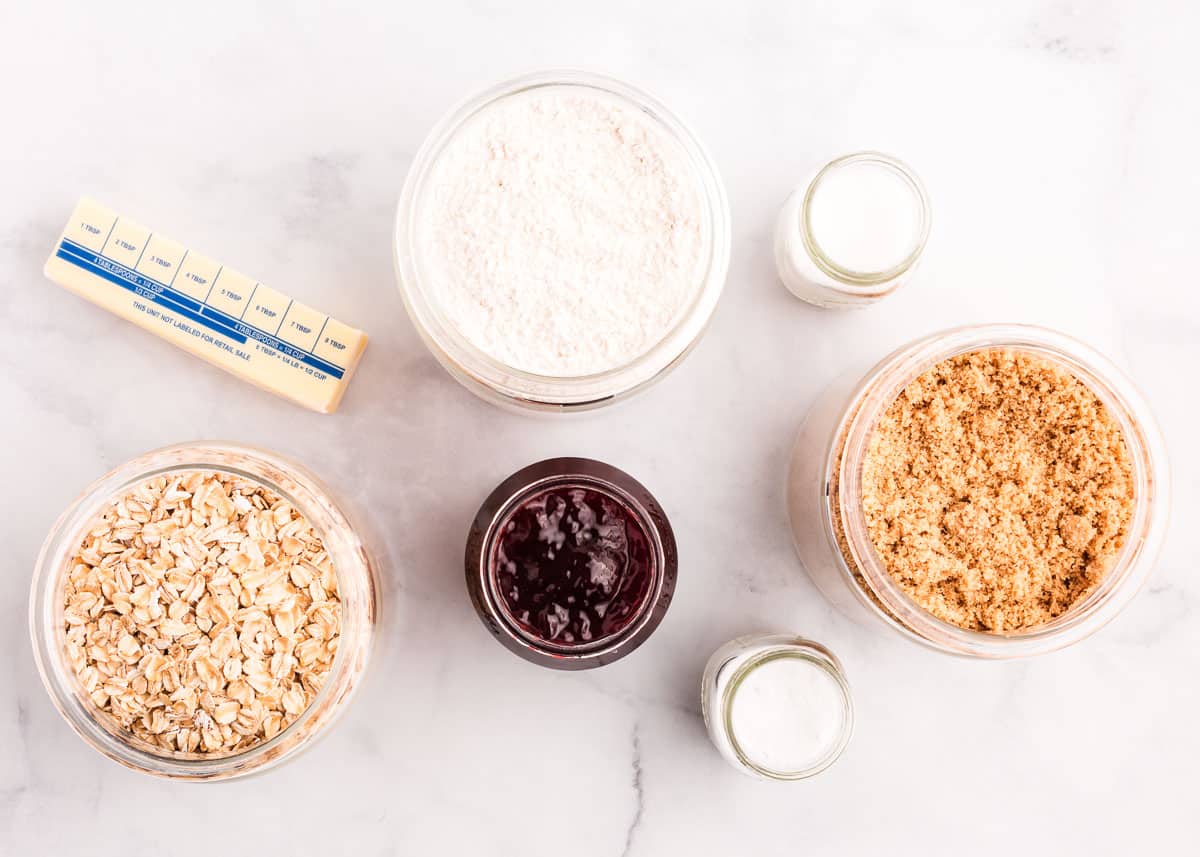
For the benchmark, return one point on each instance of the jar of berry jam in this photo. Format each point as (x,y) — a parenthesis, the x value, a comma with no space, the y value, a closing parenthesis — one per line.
(571,563)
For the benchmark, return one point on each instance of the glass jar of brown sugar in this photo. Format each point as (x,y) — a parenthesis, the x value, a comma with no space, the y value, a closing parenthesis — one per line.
(859,563)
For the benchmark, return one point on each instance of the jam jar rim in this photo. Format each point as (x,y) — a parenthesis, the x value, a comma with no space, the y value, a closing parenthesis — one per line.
(544,487)
(532,480)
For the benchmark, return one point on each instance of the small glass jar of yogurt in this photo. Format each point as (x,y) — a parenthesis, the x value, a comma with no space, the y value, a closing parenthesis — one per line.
(852,232)
(777,707)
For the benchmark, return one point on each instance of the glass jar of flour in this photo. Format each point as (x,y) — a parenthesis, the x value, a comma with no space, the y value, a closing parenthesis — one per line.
(561,241)
(853,232)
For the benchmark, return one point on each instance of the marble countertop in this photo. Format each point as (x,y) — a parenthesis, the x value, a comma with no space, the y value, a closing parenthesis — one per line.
(1058,144)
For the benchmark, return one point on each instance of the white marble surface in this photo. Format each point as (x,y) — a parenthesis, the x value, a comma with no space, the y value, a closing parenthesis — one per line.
(1059,145)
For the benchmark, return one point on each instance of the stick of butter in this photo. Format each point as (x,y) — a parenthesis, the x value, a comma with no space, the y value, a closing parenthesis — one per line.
(214,312)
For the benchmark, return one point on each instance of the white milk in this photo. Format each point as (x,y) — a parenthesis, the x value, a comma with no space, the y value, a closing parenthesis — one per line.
(787,714)
(777,706)
(852,232)
(865,217)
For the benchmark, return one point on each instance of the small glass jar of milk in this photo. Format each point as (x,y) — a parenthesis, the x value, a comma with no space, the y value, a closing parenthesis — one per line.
(777,707)
(853,232)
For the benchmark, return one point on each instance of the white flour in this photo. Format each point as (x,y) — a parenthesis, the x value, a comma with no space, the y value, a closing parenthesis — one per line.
(563,232)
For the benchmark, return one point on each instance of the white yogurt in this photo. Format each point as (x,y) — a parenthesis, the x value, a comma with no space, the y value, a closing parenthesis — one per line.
(777,707)
(787,714)
(853,232)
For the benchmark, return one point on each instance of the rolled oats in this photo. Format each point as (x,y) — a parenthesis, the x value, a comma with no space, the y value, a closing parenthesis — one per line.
(201,613)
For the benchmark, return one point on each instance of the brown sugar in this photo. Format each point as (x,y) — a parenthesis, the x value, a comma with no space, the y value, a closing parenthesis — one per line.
(997,490)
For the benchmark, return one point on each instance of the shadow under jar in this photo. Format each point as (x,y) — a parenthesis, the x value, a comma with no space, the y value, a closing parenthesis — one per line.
(571,563)
(829,524)
(489,216)
(357,594)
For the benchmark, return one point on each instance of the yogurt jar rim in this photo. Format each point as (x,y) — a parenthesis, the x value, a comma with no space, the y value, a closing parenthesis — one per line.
(451,347)
(812,654)
(865,282)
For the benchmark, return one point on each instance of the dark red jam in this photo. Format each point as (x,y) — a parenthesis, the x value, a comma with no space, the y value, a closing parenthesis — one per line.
(572,566)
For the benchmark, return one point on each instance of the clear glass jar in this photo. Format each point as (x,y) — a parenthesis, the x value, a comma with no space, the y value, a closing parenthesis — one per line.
(641,511)
(825,507)
(357,586)
(525,391)
(730,666)
(812,274)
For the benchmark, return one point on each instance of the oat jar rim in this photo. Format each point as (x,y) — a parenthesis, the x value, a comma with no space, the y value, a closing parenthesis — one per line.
(358,590)
(520,390)
(840,507)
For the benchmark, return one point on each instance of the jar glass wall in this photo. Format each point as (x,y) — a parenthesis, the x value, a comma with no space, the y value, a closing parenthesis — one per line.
(829,525)
(357,591)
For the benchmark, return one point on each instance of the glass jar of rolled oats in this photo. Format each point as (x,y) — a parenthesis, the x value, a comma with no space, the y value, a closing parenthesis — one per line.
(837,517)
(202,612)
